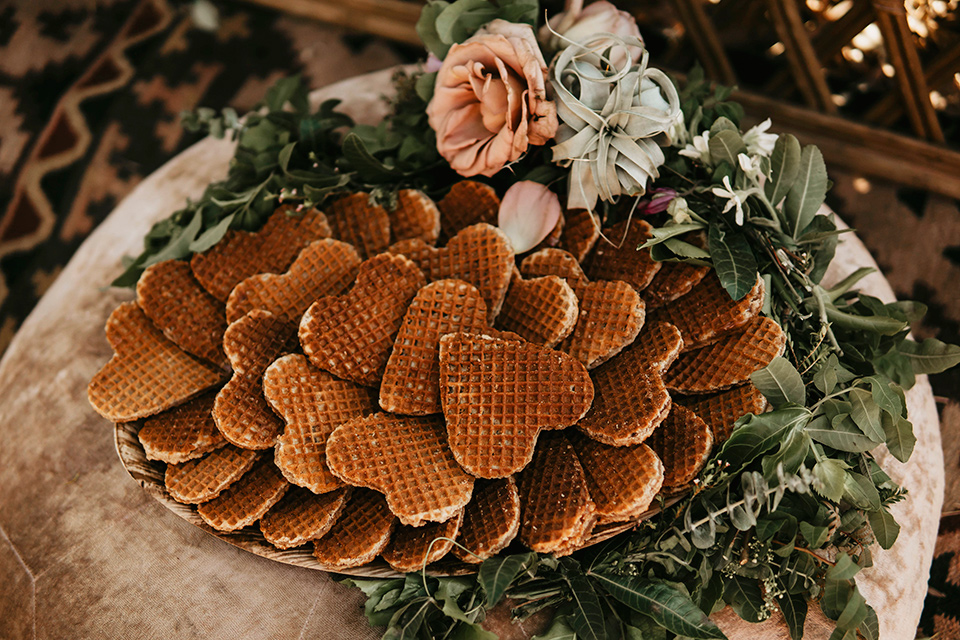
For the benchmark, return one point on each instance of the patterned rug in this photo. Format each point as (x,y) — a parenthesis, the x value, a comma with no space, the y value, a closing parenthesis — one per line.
(90,92)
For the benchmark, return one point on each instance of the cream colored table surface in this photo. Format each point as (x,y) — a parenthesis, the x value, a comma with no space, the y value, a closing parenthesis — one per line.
(85,553)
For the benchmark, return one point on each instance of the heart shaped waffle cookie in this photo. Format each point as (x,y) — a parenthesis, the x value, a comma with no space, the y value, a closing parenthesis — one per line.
(359,535)
(497,395)
(631,399)
(540,310)
(182,433)
(357,221)
(729,361)
(683,443)
(241,411)
(324,268)
(313,403)
(721,410)
(302,516)
(674,280)
(558,513)
(185,313)
(622,481)
(611,312)
(580,233)
(241,254)
(412,548)
(148,373)
(351,335)
(203,479)
(405,458)
(661,343)
(415,216)
(491,520)
(411,380)
(243,502)
(616,257)
(468,202)
(480,254)
(708,311)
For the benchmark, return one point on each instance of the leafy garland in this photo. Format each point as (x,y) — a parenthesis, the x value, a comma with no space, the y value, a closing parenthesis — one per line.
(786,510)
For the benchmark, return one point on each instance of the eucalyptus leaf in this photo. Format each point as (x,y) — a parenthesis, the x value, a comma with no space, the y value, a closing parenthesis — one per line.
(885,527)
(899,436)
(931,355)
(780,383)
(814,535)
(870,628)
(733,259)
(670,608)
(784,166)
(496,573)
(808,191)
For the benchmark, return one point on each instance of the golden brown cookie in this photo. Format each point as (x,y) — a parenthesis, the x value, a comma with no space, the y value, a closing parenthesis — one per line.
(312,403)
(729,361)
(185,313)
(412,548)
(241,411)
(405,458)
(467,203)
(411,381)
(203,479)
(351,335)
(362,532)
(497,395)
(182,433)
(148,373)
(415,216)
(243,502)
(580,234)
(616,255)
(683,443)
(541,310)
(722,410)
(357,220)
(674,280)
(241,254)
(491,520)
(557,511)
(324,268)
(480,254)
(302,516)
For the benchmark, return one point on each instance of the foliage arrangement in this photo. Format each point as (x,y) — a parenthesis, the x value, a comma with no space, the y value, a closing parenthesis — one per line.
(787,510)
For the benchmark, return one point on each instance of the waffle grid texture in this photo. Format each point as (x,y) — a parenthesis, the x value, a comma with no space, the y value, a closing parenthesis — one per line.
(412,548)
(497,395)
(415,216)
(203,479)
(467,203)
(324,268)
(186,314)
(674,280)
(491,520)
(182,433)
(301,516)
(241,254)
(617,257)
(242,503)
(721,410)
(580,234)
(148,373)
(355,220)
(622,481)
(359,535)
(683,443)
(540,310)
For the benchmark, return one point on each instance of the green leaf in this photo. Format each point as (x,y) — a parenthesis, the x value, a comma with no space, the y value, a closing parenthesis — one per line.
(860,491)
(784,166)
(179,245)
(836,594)
(844,568)
(866,414)
(814,535)
(587,618)
(884,395)
(794,610)
(877,324)
(559,630)
(670,608)
(448,592)
(870,628)
(898,434)
(780,383)
(659,234)
(758,434)
(364,163)
(212,236)
(808,191)
(931,355)
(498,572)
(840,434)
(831,474)
(853,613)
(725,145)
(733,260)
(885,527)
(744,596)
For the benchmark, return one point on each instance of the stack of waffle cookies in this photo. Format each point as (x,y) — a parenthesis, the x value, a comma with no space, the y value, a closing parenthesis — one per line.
(398,383)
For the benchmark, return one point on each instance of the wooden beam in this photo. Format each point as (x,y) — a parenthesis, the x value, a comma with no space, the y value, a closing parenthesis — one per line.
(705,41)
(806,68)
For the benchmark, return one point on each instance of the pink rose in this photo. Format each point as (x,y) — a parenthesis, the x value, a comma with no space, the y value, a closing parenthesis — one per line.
(490,101)
(579,25)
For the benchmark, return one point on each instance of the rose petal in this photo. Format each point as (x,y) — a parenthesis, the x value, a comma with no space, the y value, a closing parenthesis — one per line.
(528,213)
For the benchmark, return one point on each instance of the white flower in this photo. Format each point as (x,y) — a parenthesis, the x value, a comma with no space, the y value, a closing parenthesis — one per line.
(758,141)
(679,210)
(699,149)
(679,136)
(613,119)
(733,197)
(750,166)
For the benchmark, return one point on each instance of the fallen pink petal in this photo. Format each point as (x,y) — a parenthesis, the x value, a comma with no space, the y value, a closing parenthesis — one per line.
(528,212)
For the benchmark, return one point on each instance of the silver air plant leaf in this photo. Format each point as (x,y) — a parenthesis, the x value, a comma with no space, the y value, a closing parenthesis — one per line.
(612,119)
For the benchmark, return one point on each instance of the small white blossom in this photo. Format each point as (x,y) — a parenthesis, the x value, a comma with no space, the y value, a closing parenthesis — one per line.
(750,166)
(679,136)
(679,210)
(758,141)
(733,197)
(699,149)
